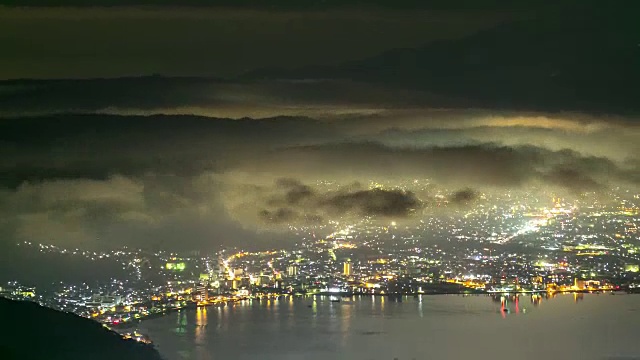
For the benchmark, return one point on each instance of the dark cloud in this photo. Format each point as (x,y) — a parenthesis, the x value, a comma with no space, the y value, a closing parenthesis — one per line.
(97,147)
(590,138)
(572,179)
(463,196)
(292,202)
(295,191)
(486,165)
(279,216)
(376,202)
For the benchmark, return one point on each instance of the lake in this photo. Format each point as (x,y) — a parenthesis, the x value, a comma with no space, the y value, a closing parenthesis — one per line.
(566,326)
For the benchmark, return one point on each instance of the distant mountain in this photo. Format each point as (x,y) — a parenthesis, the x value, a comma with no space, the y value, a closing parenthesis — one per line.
(564,61)
(35,332)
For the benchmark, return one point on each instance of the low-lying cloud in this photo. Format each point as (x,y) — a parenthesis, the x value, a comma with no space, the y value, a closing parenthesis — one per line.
(197,182)
(485,165)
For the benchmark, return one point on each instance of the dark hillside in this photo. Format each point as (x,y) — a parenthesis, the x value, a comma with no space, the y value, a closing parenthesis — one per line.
(35,332)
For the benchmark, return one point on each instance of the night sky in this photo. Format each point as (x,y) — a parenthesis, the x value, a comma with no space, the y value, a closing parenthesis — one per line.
(192,124)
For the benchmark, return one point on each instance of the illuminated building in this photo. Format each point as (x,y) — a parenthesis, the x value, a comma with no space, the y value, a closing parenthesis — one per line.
(263,280)
(106,301)
(218,268)
(23,292)
(202,291)
(278,284)
(347,268)
(175,266)
(292,271)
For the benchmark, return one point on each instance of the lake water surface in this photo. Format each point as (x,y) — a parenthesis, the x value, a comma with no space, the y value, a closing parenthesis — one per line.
(569,326)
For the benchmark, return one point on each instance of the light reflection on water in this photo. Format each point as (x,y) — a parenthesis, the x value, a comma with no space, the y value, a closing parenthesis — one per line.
(571,326)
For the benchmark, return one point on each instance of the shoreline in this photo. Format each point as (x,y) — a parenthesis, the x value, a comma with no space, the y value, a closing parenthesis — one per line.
(133,324)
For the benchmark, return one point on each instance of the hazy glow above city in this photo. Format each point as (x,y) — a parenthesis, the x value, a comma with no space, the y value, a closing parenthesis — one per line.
(116,180)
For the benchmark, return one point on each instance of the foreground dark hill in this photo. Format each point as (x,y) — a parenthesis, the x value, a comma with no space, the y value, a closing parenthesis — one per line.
(35,332)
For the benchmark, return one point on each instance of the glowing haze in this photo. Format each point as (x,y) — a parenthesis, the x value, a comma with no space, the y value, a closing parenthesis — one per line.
(104,156)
